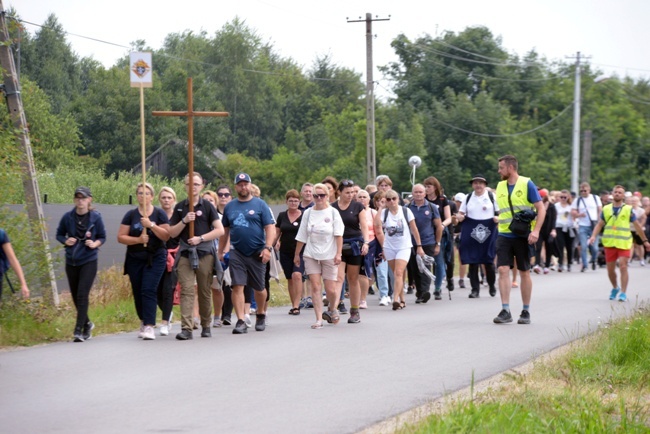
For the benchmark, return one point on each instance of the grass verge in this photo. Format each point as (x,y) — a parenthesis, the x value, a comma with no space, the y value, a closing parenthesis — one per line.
(32,322)
(601,384)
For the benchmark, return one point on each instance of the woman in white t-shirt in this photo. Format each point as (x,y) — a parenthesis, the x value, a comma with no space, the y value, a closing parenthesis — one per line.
(321,232)
(393,229)
(564,227)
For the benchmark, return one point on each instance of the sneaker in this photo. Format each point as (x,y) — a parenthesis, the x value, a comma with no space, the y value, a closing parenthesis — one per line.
(524,318)
(537,269)
(642,263)
(622,297)
(148,334)
(240,328)
(216,322)
(552,267)
(437,295)
(426,296)
(546,270)
(342,309)
(226,320)
(568,268)
(614,293)
(326,302)
(583,269)
(303,303)
(371,291)
(308,303)
(363,304)
(493,291)
(410,290)
(503,317)
(206,333)
(247,320)
(450,285)
(418,300)
(141,333)
(560,268)
(87,332)
(260,322)
(593,265)
(78,336)
(253,311)
(355,318)
(185,335)
(461,283)
(473,294)
(197,323)
(384,301)
(164,330)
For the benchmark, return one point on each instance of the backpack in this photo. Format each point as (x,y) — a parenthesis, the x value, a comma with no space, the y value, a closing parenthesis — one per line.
(403,210)
(491,196)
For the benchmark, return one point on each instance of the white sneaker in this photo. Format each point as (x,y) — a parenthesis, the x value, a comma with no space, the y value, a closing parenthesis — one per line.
(248,321)
(363,304)
(141,334)
(642,262)
(385,301)
(253,310)
(216,322)
(164,330)
(148,334)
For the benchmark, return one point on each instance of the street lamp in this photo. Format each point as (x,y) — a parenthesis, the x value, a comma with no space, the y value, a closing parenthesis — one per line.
(414,162)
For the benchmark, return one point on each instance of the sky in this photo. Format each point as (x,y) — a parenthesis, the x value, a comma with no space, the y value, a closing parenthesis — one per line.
(613,34)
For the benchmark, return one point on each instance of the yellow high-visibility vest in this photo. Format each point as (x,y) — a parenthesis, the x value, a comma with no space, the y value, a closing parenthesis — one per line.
(617,227)
(519,198)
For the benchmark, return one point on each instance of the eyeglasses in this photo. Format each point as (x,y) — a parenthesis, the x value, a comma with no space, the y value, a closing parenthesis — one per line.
(320,196)
(390,199)
(583,191)
(223,194)
(347,183)
(563,197)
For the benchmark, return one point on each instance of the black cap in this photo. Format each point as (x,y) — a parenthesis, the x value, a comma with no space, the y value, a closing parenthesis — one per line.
(84,191)
(478,178)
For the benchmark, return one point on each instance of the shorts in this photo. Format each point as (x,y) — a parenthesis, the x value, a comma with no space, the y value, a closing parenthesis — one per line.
(392,254)
(612,254)
(247,270)
(326,268)
(637,239)
(351,259)
(286,260)
(509,249)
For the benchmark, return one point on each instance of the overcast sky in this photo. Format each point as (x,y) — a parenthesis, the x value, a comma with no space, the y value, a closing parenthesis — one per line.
(613,33)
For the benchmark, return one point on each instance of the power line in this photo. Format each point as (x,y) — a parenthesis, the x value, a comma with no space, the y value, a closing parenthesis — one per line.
(506,135)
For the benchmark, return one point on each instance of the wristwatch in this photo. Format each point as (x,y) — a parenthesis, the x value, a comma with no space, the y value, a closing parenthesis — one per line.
(269,248)
(152,225)
(201,238)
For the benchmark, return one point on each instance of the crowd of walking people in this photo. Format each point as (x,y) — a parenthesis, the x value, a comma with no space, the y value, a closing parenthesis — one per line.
(338,243)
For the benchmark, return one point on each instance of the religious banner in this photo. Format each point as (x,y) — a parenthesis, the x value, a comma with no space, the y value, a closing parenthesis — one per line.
(140,69)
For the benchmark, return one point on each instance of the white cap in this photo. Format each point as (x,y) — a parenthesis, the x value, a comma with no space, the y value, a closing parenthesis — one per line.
(628,193)
(460,197)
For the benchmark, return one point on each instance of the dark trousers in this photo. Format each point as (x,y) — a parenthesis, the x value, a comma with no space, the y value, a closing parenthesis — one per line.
(80,280)
(564,242)
(144,283)
(475,281)
(165,295)
(226,309)
(544,241)
(422,281)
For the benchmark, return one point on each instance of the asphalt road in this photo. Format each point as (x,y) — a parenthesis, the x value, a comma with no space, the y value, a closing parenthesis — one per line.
(291,379)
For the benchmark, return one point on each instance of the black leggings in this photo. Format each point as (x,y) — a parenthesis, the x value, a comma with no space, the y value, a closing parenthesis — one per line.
(80,279)
(564,242)
(166,295)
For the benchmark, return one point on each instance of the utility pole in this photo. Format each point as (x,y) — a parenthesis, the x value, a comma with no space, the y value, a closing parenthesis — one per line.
(575,154)
(585,170)
(28,171)
(371,163)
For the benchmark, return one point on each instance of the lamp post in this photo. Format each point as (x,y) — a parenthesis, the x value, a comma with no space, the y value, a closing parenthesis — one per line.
(414,162)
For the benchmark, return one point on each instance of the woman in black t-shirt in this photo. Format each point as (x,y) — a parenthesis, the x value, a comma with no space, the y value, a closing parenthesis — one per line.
(355,245)
(144,230)
(286,229)
(434,195)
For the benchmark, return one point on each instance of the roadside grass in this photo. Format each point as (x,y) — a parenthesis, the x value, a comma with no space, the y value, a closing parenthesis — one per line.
(600,385)
(32,322)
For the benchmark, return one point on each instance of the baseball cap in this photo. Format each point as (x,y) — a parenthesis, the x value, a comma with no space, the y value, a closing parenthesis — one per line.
(242,177)
(460,197)
(84,191)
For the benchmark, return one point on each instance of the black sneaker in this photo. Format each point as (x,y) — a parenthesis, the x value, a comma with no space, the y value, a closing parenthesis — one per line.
(206,333)
(450,285)
(410,290)
(593,265)
(185,335)
(260,322)
(342,309)
(524,318)
(240,328)
(426,296)
(437,295)
(418,300)
(371,291)
(461,283)
(473,294)
(78,336)
(354,316)
(493,291)
(88,330)
(503,317)
(226,320)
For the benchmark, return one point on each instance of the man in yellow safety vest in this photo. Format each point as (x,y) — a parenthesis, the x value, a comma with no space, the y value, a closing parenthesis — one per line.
(617,239)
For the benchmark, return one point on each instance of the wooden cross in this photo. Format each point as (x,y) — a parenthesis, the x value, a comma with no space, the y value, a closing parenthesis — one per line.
(190,114)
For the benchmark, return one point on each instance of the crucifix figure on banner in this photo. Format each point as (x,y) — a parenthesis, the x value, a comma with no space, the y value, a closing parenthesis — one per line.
(190,114)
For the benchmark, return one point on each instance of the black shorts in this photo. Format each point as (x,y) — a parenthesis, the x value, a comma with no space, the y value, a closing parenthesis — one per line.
(509,249)
(637,239)
(286,260)
(351,259)
(247,270)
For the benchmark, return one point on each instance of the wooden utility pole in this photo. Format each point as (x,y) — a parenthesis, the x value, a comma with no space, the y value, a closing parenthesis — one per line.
(28,171)
(371,163)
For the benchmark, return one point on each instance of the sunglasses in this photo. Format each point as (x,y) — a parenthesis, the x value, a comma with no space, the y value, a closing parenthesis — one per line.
(223,194)
(319,196)
(390,199)
(583,191)
(347,183)
(563,197)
